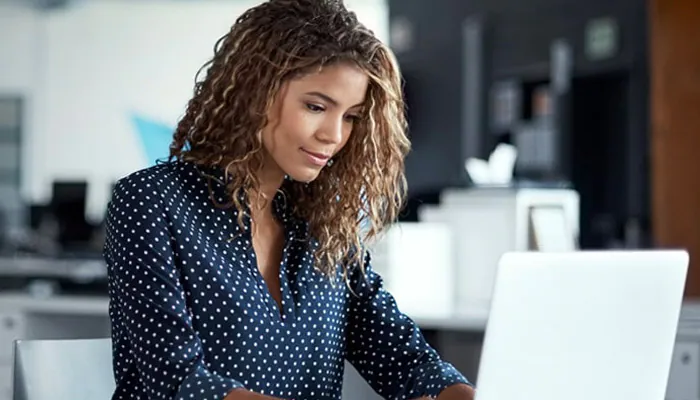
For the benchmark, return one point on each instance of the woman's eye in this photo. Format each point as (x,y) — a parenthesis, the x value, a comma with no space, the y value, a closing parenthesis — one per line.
(314,107)
(352,118)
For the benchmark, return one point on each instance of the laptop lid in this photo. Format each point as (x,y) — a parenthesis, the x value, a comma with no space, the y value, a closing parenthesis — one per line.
(582,325)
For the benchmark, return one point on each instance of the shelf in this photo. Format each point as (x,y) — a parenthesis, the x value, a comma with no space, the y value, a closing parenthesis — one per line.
(74,269)
(96,306)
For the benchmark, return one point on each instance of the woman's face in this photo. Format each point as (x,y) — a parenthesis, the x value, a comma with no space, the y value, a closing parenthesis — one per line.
(311,120)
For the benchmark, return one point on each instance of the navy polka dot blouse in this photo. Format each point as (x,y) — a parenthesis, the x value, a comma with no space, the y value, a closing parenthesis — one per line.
(192,317)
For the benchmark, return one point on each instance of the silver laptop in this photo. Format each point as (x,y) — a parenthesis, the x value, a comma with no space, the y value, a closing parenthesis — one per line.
(582,326)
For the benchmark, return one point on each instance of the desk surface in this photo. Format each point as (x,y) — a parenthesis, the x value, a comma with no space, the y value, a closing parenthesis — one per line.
(98,306)
(79,270)
(69,305)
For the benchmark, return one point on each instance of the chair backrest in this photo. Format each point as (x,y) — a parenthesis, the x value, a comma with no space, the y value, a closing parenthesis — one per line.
(63,369)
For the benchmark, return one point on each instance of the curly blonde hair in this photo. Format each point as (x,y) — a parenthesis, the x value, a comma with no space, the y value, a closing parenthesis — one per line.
(354,200)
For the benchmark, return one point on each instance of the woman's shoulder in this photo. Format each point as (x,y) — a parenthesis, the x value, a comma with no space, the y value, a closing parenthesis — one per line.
(163,177)
(172,185)
(160,172)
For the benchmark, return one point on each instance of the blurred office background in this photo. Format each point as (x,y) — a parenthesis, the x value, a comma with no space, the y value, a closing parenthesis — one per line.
(598,101)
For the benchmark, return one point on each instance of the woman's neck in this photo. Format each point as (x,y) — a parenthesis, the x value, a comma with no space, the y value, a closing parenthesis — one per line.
(263,218)
(270,180)
(261,203)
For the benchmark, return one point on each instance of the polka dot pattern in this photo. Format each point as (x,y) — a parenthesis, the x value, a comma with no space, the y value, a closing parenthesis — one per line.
(192,317)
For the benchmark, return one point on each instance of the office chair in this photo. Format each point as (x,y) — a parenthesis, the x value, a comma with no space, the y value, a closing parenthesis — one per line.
(63,369)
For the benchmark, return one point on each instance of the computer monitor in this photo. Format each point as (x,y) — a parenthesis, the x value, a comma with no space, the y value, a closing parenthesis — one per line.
(68,205)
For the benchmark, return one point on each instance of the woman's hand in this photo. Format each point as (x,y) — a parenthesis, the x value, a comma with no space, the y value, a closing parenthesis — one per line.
(454,392)
(457,392)
(242,394)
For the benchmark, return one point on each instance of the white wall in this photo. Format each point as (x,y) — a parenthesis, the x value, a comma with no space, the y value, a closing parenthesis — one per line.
(19,69)
(17,48)
(88,68)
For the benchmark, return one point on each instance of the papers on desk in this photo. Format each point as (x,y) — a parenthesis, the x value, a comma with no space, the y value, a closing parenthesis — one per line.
(497,171)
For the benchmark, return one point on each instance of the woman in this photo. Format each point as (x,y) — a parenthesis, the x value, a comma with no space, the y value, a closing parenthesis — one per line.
(237,268)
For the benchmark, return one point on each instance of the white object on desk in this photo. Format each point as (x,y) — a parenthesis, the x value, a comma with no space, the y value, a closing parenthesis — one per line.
(415,260)
(519,201)
(488,222)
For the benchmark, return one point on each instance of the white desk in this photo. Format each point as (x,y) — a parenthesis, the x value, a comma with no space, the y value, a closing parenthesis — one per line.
(88,306)
(73,317)
(57,317)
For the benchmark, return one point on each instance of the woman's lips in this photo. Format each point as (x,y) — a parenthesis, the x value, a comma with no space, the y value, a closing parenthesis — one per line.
(319,159)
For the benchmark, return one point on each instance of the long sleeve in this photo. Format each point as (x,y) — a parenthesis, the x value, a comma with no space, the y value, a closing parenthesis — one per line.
(147,301)
(387,348)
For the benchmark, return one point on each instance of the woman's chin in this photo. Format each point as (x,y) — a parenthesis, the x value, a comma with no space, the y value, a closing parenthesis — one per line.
(306,175)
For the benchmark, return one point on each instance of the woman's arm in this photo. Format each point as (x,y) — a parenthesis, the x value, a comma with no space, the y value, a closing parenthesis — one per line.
(459,391)
(389,350)
(145,290)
